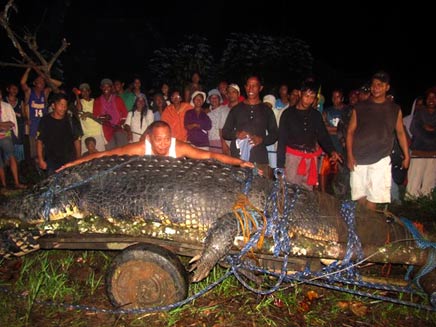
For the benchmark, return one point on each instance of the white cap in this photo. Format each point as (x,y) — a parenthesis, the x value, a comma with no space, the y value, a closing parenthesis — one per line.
(197,93)
(271,99)
(214,92)
(236,87)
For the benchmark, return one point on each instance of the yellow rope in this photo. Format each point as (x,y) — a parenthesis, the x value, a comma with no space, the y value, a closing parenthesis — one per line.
(246,220)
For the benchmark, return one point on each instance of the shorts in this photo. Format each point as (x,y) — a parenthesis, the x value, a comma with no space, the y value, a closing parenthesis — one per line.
(6,150)
(372,181)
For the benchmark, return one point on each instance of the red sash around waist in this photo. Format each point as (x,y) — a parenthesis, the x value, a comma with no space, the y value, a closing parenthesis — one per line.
(312,178)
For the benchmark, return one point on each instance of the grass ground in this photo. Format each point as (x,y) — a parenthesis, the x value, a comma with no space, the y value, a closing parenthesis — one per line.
(40,279)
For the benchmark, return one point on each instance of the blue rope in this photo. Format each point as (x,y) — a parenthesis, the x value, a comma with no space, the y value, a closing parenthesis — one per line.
(248,181)
(280,222)
(238,265)
(344,273)
(422,243)
(371,295)
(346,269)
(354,246)
(48,197)
(125,311)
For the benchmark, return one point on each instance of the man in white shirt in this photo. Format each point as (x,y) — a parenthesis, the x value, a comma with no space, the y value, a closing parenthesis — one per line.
(8,125)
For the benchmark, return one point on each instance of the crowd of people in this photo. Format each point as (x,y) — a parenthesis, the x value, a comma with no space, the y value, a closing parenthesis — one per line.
(290,130)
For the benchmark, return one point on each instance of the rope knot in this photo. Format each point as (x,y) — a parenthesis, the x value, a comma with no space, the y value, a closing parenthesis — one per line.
(249,218)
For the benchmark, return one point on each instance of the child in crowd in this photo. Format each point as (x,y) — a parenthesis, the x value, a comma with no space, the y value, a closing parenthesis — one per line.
(91,146)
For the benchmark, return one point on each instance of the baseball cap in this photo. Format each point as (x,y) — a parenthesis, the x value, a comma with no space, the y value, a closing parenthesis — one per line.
(271,99)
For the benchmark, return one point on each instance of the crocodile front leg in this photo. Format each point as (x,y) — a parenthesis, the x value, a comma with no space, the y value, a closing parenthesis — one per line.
(218,242)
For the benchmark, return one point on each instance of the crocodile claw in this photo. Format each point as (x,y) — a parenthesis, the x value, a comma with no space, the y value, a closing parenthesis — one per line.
(202,269)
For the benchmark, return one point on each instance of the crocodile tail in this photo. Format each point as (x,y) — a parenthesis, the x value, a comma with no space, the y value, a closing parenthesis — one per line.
(16,243)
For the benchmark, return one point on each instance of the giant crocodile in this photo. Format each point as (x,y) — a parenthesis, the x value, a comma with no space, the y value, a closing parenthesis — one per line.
(189,201)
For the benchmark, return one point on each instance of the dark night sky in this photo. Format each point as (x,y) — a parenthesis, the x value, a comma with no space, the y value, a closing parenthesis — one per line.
(355,40)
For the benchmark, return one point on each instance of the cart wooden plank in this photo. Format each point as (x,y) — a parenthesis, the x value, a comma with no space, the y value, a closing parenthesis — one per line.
(74,241)
(103,242)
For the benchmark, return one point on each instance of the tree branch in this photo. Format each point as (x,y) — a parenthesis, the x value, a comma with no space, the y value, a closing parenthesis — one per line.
(63,47)
(33,45)
(41,66)
(9,5)
(10,64)
(4,21)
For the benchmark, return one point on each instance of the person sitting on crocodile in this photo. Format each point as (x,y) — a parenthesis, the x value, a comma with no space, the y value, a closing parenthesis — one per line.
(157,141)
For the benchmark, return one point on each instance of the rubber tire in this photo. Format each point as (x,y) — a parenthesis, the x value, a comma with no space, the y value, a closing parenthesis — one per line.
(144,276)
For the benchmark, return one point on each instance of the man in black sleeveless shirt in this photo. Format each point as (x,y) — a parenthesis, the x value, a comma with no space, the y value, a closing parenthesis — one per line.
(370,138)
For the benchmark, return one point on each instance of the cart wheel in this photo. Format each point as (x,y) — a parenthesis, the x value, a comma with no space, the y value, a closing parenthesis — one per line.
(146,275)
